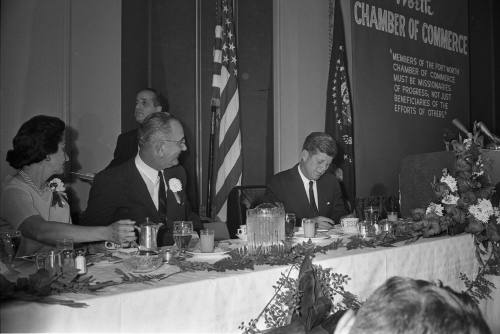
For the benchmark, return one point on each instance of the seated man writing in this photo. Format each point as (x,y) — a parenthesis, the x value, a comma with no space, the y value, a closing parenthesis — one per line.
(150,185)
(305,189)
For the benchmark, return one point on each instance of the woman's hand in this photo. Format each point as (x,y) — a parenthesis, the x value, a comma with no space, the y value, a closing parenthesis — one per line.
(122,231)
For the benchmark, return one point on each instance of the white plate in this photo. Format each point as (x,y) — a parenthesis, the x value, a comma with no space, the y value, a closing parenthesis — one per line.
(217,252)
(319,236)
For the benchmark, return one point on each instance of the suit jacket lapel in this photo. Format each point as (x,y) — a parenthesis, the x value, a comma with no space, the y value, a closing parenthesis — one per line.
(322,207)
(171,199)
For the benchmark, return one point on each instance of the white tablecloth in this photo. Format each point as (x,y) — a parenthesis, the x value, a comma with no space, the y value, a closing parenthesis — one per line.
(211,302)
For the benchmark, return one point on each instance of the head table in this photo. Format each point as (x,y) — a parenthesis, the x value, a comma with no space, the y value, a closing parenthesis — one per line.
(217,302)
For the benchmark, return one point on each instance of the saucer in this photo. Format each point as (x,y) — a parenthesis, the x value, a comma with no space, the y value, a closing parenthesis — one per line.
(242,237)
(318,236)
(217,252)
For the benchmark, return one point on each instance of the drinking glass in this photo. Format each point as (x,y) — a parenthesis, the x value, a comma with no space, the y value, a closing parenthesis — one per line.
(290,221)
(392,216)
(182,234)
(8,246)
(50,261)
(371,214)
(363,229)
(309,227)
(207,241)
(9,241)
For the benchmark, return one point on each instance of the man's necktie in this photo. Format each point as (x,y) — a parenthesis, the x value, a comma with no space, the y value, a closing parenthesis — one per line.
(312,200)
(162,197)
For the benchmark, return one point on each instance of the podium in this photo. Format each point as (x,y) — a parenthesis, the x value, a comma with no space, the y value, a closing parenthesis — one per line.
(417,172)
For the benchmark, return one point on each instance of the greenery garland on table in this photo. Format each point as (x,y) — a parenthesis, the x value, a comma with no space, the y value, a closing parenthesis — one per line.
(42,285)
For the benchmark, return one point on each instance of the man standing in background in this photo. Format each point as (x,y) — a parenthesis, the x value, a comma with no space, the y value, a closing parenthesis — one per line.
(147,101)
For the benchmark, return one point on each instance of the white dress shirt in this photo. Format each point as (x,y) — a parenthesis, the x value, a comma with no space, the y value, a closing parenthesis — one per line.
(305,180)
(151,178)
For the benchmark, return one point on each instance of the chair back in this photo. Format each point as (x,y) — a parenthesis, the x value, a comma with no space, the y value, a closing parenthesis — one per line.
(416,174)
(239,200)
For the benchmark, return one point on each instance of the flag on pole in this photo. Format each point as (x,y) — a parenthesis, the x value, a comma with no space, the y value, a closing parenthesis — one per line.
(227,153)
(339,122)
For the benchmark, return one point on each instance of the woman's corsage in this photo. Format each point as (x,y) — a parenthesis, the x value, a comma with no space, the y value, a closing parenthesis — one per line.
(175,186)
(58,192)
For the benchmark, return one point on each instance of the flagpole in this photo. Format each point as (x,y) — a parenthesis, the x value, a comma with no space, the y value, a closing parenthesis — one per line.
(213,110)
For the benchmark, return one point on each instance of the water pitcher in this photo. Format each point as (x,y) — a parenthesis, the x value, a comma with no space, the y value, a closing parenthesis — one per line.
(265,227)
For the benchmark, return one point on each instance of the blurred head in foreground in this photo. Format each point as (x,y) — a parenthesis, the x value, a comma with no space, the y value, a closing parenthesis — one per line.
(404,305)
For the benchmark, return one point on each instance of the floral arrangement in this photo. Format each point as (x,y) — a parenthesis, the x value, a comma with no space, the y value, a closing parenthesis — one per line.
(463,203)
(58,189)
(463,198)
(175,186)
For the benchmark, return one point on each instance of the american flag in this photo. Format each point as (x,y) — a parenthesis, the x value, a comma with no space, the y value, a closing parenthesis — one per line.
(227,153)
(339,121)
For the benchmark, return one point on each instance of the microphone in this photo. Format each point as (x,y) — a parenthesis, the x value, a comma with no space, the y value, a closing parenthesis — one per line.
(461,127)
(487,132)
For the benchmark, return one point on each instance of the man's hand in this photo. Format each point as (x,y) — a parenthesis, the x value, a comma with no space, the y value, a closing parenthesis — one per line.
(323,223)
(122,231)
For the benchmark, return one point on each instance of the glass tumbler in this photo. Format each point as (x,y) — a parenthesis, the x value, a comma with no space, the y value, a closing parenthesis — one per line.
(290,221)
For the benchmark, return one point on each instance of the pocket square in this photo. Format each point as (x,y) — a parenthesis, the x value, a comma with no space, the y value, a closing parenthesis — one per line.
(328,203)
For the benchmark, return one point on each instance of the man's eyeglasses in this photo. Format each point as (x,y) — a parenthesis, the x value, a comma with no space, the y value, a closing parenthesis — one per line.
(180,142)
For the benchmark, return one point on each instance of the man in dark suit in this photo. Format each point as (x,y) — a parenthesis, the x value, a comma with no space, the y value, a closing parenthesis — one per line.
(146,102)
(151,184)
(305,189)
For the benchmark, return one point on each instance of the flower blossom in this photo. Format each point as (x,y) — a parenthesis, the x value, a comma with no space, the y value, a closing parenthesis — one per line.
(435,208)
(175,185)
(450,181)
(482,211)
(496,212)
(478,168)
(468,143)
(450,199)
(57,185)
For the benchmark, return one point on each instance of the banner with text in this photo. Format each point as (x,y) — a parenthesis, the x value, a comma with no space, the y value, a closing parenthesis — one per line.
(410,69)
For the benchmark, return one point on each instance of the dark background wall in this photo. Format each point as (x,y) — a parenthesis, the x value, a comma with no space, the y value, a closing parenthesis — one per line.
(159,50)
(484,30)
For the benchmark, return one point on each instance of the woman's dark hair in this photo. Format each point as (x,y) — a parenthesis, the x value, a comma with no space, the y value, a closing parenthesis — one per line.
(37,138)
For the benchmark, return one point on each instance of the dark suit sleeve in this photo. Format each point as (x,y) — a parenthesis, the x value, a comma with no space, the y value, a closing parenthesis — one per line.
(190,215)
(102,204)
(184,211)
(119,155)
(338,209)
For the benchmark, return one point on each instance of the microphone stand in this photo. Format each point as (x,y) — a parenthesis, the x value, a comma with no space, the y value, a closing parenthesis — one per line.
(495,141)
(213,110)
